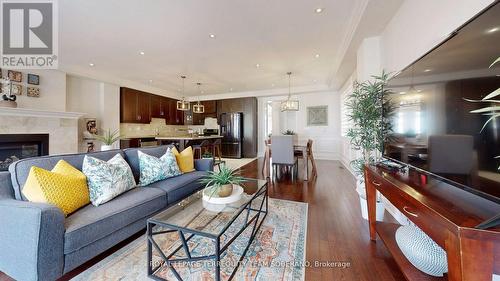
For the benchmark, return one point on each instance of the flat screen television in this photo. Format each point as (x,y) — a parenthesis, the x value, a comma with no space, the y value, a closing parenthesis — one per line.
(446,115)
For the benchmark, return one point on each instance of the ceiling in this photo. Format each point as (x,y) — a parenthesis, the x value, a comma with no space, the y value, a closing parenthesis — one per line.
(174,36)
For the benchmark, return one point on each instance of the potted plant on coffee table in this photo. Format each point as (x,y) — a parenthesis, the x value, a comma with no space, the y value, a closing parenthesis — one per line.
(370,112)
(221,183)
(108,139)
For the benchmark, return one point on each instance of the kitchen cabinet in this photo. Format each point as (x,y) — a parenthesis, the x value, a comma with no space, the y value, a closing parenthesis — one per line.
(210,111)
(134,106)
(175,117)
(248,106)
(159,107)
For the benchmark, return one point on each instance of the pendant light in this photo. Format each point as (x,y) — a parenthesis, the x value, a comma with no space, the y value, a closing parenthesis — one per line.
(183,104)
(289,104)
(198,107)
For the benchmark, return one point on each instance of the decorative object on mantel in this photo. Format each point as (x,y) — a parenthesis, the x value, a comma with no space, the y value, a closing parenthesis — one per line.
(198,107)
(183,104)
(317,115)
(289,104)
(15,76)
(108,139)
(421,250)
(370,125)
(90,133)
(33,92)
(288,133)
(17,89)
(221,183)
(8,99)
(33,79)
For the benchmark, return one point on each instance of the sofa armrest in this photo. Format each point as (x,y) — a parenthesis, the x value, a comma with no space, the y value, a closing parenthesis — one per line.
(6,189)
(206,164)
(31,240)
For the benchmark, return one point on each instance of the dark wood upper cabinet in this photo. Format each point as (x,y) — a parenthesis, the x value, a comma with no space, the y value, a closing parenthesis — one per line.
(210,106)
(175,117)
(128,106)
(159,107)
(144,107)
(134,106)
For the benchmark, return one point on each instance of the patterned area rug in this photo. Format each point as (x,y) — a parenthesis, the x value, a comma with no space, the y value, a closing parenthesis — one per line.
(277,253)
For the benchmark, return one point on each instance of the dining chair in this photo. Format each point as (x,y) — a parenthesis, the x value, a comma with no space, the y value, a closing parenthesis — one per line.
(310,155)
(267,155)
(283,155)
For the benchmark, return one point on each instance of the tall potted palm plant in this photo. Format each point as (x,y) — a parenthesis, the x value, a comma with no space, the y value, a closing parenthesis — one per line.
(370,112)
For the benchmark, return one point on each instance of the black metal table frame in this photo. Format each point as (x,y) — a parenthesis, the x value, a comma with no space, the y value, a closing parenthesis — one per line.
(167,259)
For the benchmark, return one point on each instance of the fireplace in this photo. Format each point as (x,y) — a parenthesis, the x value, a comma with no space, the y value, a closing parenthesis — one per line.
(18,146)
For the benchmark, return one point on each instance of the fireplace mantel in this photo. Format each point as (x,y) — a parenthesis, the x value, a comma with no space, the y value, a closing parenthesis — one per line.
(27,112)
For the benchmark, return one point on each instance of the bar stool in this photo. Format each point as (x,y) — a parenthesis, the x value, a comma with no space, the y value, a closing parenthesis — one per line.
(198,149)
(217,153)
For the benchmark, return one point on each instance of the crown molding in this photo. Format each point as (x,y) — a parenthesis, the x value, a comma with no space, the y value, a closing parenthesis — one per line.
(354,21)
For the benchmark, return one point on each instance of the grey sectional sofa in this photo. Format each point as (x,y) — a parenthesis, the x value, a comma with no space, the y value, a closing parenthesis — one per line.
(38,243)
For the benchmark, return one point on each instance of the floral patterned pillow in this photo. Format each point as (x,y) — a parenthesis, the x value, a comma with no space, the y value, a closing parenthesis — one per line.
(106,180)
(153,169)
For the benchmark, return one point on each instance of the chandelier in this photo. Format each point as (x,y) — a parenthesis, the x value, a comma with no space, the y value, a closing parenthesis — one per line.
(183,104)
(289,104)
(198,107)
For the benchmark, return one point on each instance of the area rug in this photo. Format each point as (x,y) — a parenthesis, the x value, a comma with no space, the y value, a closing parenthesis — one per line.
(237,163)
(277,252)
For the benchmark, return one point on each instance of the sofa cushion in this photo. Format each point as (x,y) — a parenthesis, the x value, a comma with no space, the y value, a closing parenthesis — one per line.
(107,180)
(64,186)
(179,187)
(133,159)
(19,170)
(91,223)
(155,169)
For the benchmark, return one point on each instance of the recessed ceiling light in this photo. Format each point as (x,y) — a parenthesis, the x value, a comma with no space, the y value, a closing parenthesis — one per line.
(202,92)
(272,85)
(91,64)
(314,81)
(142,53)
(428,70)
(231,89)
(178,90)
(150,81)
(494,29)
(212,36)
(316,55)
(318,10)
(402,93)
(257,65)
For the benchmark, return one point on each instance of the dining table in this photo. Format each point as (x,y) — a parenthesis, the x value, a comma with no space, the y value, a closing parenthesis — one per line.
(297,146)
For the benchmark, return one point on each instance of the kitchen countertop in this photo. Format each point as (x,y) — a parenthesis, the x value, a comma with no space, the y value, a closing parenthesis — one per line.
(187,137)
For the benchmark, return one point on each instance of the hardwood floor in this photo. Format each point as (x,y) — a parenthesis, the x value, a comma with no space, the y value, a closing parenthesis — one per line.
(336,232)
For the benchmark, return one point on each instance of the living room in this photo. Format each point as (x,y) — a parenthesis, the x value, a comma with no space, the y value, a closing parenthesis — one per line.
(233,140)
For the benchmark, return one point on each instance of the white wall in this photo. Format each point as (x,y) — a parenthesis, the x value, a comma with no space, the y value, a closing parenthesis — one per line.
(98,100)
(326,138)
(52,90)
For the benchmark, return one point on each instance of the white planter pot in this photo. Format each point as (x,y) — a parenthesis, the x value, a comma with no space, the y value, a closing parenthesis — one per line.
(360,188)
(106,147)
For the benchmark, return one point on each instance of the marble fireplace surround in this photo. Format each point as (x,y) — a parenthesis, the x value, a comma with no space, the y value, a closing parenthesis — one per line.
(62,127)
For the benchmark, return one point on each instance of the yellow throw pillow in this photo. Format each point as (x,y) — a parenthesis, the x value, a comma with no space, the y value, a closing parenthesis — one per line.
(185,159)
(64,186)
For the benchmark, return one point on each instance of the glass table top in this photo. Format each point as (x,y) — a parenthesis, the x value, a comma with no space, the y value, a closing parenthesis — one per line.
(193,213)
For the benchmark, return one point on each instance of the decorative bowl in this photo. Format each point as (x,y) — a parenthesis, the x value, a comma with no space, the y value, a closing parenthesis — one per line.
(421,250)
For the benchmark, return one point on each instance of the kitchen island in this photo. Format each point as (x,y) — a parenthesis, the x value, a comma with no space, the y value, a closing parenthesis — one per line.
(183,140)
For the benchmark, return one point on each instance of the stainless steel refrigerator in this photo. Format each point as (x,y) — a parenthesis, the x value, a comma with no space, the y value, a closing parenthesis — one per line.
(231,127)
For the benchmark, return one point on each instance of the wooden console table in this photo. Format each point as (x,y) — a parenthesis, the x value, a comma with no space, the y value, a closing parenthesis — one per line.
(446,213)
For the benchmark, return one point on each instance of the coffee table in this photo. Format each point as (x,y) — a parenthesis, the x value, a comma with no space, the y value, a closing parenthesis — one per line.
(191,221)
